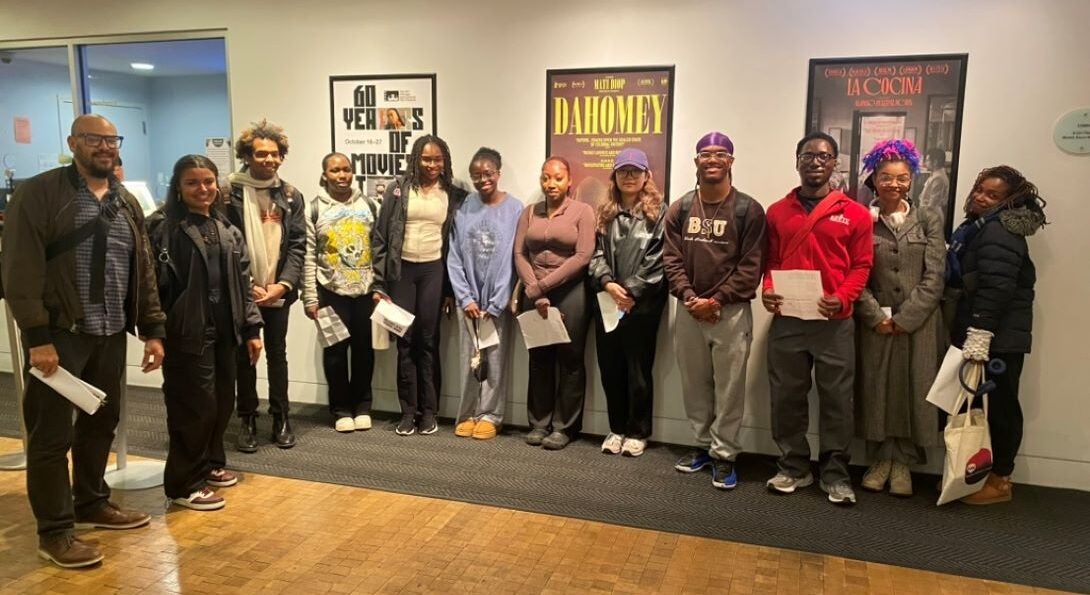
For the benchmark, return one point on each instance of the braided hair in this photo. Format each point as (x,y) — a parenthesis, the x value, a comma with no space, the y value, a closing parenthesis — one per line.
(412,169)
(1022,193)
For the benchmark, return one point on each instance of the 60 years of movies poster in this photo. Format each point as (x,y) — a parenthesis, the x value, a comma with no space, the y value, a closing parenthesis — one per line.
(375,120)
(860,101)
(594,113)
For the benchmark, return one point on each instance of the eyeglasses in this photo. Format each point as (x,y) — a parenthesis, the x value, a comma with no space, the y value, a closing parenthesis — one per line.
(484,175)
(96,140)
(720,155)
(629,172)
(886,179)
(821,158)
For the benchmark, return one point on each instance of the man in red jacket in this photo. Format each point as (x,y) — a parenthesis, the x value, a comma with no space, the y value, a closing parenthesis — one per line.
(815,228)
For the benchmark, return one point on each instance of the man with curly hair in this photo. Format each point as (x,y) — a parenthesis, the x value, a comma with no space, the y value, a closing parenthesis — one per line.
(269,212)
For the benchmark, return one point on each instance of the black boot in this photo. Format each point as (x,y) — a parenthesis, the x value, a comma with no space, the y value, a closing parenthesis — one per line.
(247,434)
(282,435)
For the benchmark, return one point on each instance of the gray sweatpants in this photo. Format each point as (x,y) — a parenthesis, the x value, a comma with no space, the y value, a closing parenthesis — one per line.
(485,400)
(712,359)
(794,348)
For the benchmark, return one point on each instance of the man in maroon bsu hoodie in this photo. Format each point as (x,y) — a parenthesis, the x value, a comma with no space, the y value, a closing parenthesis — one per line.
(815,228)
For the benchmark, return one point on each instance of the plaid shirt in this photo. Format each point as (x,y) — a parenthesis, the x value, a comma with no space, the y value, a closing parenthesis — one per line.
(108,317)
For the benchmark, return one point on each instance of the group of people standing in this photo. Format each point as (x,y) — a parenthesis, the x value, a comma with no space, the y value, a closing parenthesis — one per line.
(208,280)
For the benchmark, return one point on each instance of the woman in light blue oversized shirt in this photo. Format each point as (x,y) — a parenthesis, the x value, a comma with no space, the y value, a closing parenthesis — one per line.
(482,275)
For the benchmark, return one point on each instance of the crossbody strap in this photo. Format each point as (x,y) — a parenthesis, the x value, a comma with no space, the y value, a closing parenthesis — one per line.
(820,211)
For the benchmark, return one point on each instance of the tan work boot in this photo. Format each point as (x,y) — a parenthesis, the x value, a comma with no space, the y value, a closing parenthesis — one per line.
(68,552)
(900,480)
(996,489)
(876,477)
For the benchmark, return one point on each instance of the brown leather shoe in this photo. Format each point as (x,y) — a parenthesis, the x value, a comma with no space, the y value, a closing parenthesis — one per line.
(68,552)
(996,489)
(111,516)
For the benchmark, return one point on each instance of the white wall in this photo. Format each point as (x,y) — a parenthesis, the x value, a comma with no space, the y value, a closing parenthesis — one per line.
(741,68)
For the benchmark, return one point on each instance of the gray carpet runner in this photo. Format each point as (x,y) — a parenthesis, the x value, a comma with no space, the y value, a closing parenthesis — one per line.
(1042,538)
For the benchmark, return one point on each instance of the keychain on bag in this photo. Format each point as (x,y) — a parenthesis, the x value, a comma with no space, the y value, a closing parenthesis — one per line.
(478,365)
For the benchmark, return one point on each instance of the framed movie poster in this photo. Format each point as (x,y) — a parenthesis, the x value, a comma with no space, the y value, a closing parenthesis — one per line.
(594,113)
(860,101)
(375,119)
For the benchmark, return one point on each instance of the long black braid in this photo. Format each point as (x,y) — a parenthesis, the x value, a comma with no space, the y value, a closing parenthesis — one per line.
(412,169)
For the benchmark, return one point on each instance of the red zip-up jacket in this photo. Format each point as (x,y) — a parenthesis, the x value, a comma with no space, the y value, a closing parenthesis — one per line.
(841,246)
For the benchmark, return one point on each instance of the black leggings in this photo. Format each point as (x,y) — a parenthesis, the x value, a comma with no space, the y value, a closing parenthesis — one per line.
(420,291)
(1005,414)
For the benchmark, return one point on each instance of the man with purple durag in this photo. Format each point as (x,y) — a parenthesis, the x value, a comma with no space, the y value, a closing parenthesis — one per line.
(715,241)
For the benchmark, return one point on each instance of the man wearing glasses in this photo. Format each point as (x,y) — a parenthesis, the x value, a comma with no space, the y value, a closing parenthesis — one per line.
(714,244)
(815,228)
(78,274)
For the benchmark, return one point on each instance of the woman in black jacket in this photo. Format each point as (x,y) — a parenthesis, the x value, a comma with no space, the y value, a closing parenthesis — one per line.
(991,273)
(204,286)
(627,265)
(409,255)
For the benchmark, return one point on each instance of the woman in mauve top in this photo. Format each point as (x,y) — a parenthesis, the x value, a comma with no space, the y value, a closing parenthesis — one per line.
(553,246)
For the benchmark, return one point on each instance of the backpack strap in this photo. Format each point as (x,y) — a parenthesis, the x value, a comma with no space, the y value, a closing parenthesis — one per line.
(99,229)
(76,237)
(741,209)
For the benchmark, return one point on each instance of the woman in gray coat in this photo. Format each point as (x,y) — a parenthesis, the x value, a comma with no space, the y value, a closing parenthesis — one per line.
(900,336)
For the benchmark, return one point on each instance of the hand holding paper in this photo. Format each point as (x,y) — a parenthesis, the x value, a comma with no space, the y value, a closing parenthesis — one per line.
(801,292)
(487,335)
(611,314)
(538,331)
(85,396)
(393,318)
(331,330)
(153,355)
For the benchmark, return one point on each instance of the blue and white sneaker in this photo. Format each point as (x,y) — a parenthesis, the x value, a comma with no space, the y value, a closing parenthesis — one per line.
(724,476)
(693,462)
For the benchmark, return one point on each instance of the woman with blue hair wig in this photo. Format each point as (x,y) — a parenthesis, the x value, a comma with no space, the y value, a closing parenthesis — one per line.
(899,333)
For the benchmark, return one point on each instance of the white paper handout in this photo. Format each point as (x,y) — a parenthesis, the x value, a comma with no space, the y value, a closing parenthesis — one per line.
(85,396)
(946,389)
(538,331)
(801,291)
(487,336)
(331,329)
(380,337)
(611,315)
(393,318)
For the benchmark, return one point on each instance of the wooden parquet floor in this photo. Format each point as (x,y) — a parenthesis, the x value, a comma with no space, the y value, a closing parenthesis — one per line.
(287,536)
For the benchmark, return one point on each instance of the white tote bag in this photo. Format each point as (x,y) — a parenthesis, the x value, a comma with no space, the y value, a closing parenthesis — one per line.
(968,444)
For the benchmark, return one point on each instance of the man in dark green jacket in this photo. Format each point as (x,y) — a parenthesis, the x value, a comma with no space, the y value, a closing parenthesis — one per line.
(78,274)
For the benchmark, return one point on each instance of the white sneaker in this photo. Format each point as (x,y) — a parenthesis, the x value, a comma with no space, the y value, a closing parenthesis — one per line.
(344,424)
(839,493)
(202,499)
(612,443)
(785,484)
(633,447)
(362,422)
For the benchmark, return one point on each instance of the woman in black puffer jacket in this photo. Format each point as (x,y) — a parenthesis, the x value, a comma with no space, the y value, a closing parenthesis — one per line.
(988,264)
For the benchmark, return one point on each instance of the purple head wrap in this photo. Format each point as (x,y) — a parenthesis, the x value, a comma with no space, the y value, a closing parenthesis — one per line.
(715,139)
